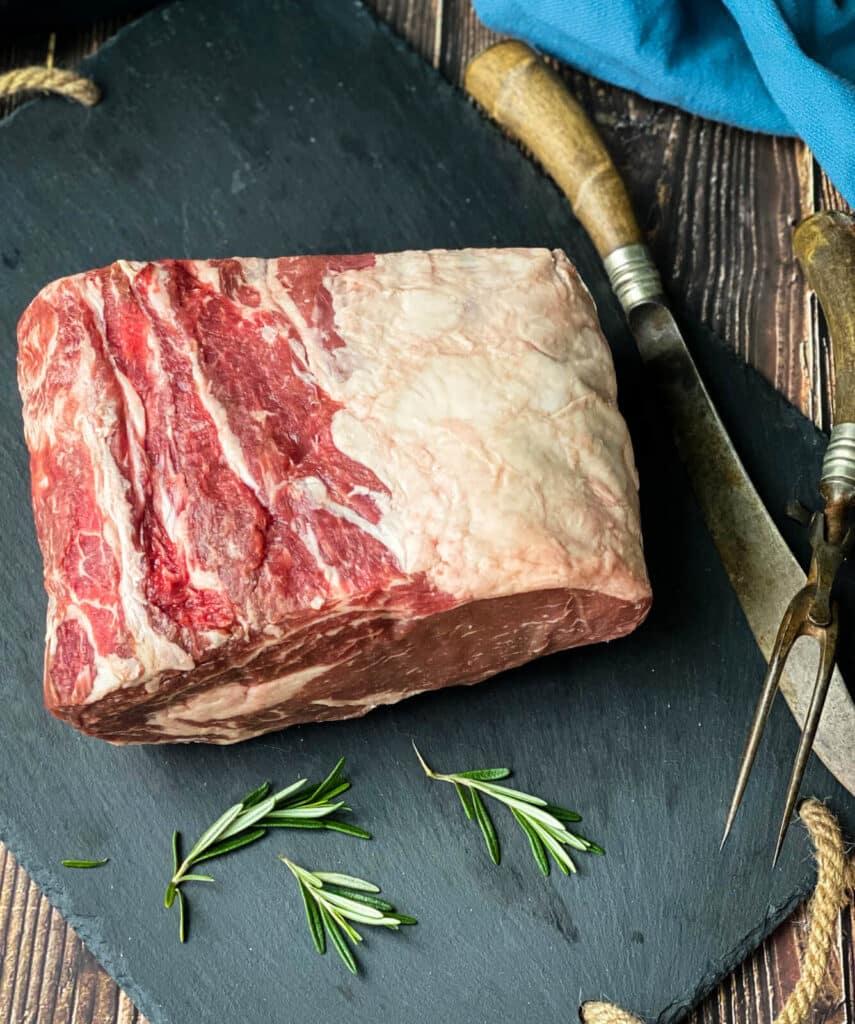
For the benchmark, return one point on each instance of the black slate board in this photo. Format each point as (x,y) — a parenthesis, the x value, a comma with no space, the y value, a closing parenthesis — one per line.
(264,128)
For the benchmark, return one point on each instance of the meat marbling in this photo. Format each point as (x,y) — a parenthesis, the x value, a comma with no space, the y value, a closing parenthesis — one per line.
(278,491)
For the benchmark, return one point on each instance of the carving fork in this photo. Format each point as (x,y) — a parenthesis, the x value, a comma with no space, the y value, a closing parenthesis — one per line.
(825,246)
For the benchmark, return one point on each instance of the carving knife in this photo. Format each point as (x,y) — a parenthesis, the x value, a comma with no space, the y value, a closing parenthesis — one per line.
(519,91)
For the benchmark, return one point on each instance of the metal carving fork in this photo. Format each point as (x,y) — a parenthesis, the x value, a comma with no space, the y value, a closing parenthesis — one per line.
(825,246)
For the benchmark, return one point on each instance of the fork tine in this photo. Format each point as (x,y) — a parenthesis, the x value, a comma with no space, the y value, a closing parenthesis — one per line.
(788,631)
(827,639)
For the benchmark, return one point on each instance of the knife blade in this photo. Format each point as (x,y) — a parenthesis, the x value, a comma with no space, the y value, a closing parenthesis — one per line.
(519,91)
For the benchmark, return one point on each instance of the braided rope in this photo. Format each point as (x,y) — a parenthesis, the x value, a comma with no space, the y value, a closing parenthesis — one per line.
(835,877)
(606,1013)
(48,79)
(835,880)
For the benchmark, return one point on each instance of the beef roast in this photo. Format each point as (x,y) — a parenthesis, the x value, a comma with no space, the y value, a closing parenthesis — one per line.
(278,491)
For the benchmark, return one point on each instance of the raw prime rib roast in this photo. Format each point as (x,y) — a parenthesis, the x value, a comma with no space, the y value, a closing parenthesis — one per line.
(278,491)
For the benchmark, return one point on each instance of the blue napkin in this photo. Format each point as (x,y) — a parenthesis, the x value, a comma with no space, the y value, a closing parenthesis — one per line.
(780,66)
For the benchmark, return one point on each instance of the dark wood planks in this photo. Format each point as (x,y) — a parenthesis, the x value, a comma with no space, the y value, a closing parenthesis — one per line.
(718,207)
(47,976)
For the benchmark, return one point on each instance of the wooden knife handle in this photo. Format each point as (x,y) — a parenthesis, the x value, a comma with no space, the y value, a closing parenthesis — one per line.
(825,246)
(525,96)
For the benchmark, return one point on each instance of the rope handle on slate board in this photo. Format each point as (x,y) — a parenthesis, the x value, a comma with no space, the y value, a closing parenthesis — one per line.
(55,80)
(835,879)
(47,78)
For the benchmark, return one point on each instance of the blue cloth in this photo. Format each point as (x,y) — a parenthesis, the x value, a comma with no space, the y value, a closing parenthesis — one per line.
(780,66)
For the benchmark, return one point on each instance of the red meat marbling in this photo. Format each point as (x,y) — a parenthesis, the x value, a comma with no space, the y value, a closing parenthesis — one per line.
(278,491)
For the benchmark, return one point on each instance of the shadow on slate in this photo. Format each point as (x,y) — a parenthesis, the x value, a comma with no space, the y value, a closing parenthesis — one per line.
(247,128)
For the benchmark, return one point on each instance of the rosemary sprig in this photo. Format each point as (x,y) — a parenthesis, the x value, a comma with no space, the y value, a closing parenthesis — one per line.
(299,805)
(542,822)
(333,902)
(86,863)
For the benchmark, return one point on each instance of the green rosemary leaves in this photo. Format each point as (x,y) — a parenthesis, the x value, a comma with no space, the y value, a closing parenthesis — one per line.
(335,902)
(297,806)
(542,823)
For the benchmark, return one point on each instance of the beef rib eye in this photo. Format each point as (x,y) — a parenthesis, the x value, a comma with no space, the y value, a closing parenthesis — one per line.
(278,491)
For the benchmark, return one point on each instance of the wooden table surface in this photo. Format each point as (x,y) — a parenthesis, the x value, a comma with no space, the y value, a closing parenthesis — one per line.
(718,206)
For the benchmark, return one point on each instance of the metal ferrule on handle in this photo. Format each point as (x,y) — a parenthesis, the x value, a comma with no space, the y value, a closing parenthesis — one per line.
(633,276)
(838,466)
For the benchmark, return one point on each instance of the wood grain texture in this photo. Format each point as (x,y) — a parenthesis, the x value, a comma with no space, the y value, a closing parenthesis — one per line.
(47,976)
(717,206)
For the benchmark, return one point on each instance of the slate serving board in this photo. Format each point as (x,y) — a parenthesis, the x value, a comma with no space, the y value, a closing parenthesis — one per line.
(274,127)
